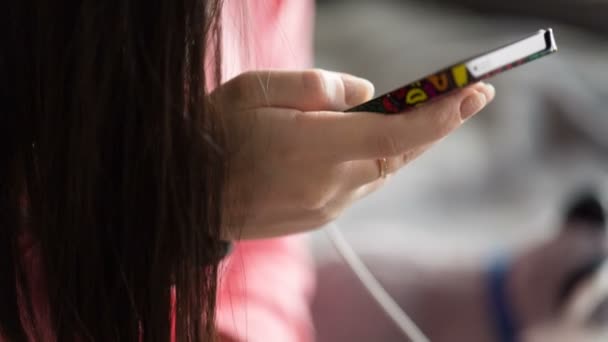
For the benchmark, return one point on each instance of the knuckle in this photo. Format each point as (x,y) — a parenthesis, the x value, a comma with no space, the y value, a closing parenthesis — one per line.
(387,145)
(314,86)
(245,78)
(245,83)
(313,79)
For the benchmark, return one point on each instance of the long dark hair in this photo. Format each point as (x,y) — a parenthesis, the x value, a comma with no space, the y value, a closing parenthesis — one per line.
(112,165)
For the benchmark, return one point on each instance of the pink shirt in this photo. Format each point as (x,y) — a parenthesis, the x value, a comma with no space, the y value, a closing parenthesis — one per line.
(266,284)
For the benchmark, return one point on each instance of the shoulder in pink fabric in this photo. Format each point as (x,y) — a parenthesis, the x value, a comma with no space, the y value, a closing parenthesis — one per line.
(266,285)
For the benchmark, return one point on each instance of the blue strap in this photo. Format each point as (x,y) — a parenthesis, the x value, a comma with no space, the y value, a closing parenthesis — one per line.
(504,317)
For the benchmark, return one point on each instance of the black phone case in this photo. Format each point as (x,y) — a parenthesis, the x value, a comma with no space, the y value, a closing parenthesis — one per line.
(443,82)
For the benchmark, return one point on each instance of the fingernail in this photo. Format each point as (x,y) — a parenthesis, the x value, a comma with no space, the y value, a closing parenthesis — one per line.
(472,105)
(333,88)
(490,92)
(356,90)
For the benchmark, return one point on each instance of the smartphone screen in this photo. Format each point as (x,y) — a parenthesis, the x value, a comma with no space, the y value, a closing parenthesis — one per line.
(462,74)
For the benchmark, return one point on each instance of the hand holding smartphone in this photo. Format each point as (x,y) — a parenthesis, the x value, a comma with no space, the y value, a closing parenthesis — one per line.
(462,74)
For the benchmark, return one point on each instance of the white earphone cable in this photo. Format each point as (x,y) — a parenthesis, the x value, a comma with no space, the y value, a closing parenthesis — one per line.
(373,286)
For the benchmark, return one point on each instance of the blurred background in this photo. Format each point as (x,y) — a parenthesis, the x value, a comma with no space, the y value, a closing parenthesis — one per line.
(502,179)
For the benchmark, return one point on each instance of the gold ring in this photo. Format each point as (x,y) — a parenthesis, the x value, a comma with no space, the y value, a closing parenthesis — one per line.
(383,166)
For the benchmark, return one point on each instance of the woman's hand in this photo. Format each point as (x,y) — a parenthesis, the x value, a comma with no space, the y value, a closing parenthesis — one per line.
(297,161)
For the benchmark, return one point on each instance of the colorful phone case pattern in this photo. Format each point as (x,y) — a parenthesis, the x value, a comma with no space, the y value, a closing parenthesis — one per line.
(428,88)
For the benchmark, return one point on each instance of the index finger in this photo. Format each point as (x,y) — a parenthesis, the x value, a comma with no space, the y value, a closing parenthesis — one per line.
(355,136)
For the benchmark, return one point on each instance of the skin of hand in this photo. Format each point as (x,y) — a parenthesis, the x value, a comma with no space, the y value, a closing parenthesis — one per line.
(296,160)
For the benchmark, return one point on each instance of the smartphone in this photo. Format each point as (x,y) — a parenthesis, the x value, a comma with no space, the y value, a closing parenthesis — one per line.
(462,74)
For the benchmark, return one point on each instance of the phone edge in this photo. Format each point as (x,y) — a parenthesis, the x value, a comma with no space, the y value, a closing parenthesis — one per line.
(397,101)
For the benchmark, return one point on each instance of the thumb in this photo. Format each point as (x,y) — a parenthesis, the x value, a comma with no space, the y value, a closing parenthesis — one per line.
(307,90)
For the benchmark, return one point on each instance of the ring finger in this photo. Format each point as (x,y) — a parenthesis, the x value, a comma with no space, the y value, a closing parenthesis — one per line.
(364,172)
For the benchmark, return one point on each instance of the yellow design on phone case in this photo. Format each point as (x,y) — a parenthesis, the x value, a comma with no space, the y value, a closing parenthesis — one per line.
(440,81)
(461,75)
(415,95)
